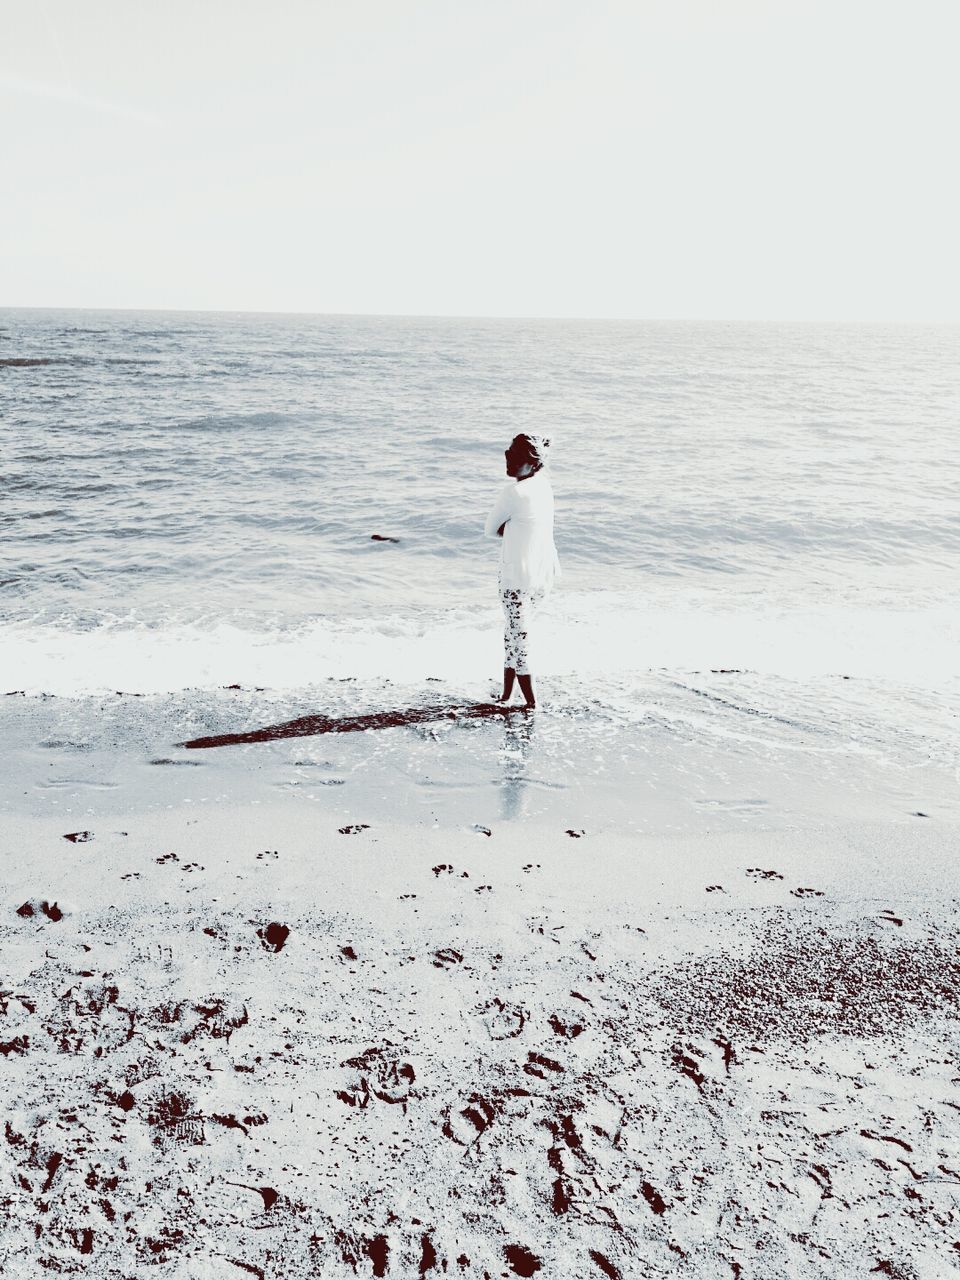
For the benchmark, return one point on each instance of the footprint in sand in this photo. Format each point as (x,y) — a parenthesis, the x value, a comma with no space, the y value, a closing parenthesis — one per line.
(90,1018)
(544,1068)
(33,909)
(174,1120)
(380,1073)
(605,1265)
(715,888)
(446,958)
(78,837)
(355,1248)
(273,936)
(687,1065)
(503,1021)
(354,828)
(758,873)
(160,953)
(522,1261)
(213,1016)
(565,1030)
(465,1124)
(807,893)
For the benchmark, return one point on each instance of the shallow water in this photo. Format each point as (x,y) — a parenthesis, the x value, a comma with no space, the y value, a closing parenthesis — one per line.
(195,465)
(669,756)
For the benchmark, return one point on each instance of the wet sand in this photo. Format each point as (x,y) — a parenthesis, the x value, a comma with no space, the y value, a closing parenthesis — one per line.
(254,1040)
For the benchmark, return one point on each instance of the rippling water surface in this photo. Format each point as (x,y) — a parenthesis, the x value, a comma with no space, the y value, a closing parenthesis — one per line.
(776,497)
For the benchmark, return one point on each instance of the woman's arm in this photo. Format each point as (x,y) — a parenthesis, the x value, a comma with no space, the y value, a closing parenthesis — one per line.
(502,510)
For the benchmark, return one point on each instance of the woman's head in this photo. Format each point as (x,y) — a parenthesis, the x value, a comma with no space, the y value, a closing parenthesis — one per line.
(526,455)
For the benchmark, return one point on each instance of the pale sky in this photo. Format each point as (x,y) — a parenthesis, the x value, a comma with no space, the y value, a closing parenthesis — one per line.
(768,159)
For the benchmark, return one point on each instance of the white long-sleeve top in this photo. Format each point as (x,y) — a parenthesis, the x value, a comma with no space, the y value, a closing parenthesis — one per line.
(528,556)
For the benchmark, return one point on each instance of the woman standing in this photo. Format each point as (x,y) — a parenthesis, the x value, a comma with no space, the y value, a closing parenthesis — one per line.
(523,517)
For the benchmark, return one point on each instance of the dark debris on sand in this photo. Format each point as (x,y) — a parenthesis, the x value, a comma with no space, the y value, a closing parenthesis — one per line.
(798,981)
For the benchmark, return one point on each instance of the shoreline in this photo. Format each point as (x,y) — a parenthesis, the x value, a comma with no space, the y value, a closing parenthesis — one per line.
(668,757)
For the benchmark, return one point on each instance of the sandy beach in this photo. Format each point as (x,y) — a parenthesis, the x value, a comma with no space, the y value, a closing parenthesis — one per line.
(361,366)
(313,963)
(252,1038)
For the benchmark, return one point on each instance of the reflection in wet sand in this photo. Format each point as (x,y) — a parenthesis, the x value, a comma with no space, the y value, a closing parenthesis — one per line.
(518,739)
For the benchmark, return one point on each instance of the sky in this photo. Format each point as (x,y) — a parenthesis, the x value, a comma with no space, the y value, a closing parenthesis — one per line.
(715,159)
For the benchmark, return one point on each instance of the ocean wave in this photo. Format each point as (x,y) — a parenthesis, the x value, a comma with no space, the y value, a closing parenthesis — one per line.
(28,362)
(586,634)
(134,361)
(210,423)
(131,331)
(254,458)
(457,445)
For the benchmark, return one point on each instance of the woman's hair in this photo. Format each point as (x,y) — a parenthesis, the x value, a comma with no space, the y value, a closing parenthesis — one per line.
(533,447)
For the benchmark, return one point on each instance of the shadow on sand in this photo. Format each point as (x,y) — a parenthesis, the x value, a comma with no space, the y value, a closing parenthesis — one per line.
(307,726)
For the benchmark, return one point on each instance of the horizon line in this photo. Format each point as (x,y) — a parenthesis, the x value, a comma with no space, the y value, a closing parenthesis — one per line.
(451,315)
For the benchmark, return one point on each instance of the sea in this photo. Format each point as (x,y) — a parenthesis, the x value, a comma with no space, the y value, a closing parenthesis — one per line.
(239,517)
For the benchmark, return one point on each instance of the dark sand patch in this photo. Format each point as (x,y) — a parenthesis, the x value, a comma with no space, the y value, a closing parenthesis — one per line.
(800,980)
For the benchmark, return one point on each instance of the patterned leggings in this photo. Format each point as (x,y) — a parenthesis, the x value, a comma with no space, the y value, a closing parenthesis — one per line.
(518,607)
